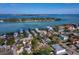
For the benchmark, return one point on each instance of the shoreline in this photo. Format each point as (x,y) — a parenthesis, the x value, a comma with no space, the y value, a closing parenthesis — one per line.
(29,19)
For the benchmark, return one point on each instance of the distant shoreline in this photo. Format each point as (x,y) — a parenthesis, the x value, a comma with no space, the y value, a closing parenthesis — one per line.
(29,19)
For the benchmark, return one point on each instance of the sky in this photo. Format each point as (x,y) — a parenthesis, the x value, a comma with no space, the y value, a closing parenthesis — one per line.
(39,8)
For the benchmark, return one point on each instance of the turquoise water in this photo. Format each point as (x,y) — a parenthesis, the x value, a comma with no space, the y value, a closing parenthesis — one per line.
(12,27)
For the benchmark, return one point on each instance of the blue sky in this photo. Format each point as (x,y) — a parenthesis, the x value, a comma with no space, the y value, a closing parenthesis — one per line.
(39,8)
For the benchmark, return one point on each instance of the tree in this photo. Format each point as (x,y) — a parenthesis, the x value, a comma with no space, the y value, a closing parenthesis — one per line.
(43,51)
(50,43)
(10,42)
(11,20)
(54,39)
(24,52)
(34,43)
(2,41)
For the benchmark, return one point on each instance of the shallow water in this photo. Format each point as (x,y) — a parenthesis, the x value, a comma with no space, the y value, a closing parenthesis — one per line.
(12,27)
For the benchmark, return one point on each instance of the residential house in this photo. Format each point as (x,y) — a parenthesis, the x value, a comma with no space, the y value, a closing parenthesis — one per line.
(21,30)
(70,27)
(1,20)
(63,37)
(75,40)
(4,50)
(28,48)
(37,30)
(58,50)
(15,34)
(76,34)
(49,28)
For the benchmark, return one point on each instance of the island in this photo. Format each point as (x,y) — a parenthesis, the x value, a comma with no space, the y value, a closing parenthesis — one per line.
(28,19)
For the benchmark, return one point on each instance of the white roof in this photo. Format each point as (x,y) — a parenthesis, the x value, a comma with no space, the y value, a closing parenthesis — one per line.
(50,28)
(21,30)
(58,49)
(61,51)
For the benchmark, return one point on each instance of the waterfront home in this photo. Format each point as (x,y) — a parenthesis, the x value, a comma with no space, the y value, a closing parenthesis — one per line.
(1,20)
(15,34)
(33,33)
(49,28)
(3,36)
(28,34)
(44,32)
(21,30)
(37,30)
(59,50)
